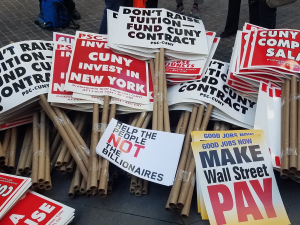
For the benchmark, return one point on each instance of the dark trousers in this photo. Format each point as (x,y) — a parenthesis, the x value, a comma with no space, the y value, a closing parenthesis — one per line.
(70,5)
(260,14)
(112,5)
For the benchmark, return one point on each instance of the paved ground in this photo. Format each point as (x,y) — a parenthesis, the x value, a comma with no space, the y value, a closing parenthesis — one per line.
(16,24)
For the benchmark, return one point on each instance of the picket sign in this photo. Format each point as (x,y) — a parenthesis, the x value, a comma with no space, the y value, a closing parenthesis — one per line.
(24,72)
(112,33)
(212,89)
(157,28)
(208,135)
(11,189)
(236,181)
(96,70)
(148,154)
(36,209)
(183,68)
(61,58)
(122,105)
(269,120)
(64,38)
(278,48)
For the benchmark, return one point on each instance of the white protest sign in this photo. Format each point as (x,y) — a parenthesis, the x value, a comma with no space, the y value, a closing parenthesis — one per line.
(238,183)
(212,89)
(24,72)
(269,120)
(148,154)
(161,28)
(139,53)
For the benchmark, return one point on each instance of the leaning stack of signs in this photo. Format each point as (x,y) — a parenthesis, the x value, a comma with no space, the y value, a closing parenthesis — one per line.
(237,180)
(179,71)
(34,208)
(12,189)
(62,51)
(213,89)
(263,55)
(24,75)
(145,31)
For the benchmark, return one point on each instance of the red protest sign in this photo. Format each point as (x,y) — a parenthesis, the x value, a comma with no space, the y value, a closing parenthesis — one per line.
(9,187)
(96,70)
(62,58)
(63,37)
(184,67)
(42,211)
(276,48)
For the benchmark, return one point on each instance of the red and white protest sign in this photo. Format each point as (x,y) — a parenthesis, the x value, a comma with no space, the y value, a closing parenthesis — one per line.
(61,58)
(11,189)
(35,209)
(190,67)
(96,70)
(277,48)
(60,37)
(185,67)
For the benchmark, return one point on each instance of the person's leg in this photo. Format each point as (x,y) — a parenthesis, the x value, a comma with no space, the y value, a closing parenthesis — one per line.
(254,12)
(179,6)
(267,15)
(112,5)
(70,5)
(195,10)
(233,16)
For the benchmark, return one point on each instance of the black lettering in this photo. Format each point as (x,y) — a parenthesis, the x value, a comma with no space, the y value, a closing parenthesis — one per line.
(212,159)
(241,154)
(255,153)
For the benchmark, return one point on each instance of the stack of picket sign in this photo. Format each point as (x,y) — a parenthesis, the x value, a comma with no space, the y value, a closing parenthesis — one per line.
(266,62)
(142,32)
(89,74)
(12,188)
(263,55)
(15,201)
(236,174)
(212,88)
(25,72)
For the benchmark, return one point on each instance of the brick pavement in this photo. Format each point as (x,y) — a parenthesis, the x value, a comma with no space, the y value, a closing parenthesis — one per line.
(17,24)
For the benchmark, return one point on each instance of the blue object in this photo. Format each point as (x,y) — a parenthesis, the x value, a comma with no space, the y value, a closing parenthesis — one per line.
(53,15)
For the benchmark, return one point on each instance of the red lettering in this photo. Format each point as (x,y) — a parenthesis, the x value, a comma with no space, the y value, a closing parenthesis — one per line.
(128,148)
(218,206)
(241,189)
(113,139)
(138,148)
(265,195)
